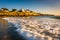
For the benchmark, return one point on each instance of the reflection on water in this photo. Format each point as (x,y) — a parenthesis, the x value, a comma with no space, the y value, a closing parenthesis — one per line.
(55,17)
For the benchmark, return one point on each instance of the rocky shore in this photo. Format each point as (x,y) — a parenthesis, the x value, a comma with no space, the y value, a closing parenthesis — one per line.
(7,31)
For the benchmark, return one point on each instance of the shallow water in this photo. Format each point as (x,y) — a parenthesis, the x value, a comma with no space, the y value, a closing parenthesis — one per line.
(54,17)
(32,27)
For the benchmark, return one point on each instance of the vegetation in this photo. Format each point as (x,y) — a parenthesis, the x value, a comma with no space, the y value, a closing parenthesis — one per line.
(4,12)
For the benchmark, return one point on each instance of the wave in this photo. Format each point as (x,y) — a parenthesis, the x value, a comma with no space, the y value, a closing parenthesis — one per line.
(33,28)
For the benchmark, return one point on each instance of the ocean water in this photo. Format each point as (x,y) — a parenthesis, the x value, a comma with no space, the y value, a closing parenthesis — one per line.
(32,28)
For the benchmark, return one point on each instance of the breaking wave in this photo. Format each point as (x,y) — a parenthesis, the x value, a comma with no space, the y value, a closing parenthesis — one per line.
(31,28)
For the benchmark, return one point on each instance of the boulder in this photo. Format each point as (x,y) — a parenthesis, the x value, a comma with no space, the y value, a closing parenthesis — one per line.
(8,31)
(3,29)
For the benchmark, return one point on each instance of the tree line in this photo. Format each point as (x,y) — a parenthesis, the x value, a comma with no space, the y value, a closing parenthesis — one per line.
(15,12)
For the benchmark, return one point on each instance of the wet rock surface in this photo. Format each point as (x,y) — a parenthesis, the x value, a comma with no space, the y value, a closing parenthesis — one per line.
(3,29)
(8,31)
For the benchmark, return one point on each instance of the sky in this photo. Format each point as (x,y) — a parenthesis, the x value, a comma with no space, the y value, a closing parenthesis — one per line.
(42,6)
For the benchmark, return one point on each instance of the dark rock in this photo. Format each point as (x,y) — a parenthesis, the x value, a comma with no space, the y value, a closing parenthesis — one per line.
(8,31)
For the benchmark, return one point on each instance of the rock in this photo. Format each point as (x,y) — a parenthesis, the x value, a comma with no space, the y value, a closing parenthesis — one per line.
(8,31)
(3,29)
(3,24)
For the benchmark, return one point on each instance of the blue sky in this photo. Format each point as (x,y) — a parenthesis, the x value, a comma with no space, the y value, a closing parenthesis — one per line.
(35,5)
(27,3)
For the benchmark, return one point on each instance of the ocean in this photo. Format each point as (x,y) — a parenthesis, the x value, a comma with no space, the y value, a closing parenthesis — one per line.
(33,28)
